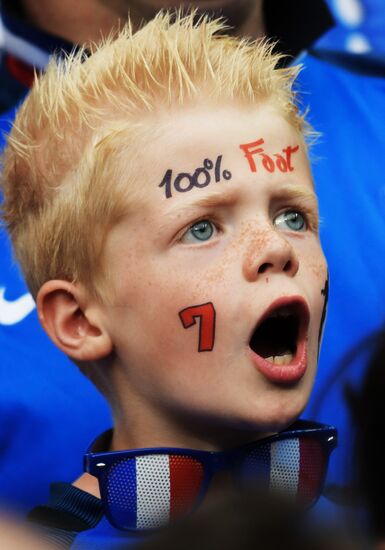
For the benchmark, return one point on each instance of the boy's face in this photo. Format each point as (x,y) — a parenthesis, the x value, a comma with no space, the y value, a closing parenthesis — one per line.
(233,249)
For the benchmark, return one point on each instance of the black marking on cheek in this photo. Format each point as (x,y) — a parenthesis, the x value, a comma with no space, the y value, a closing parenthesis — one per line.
(325,293)
(325,290)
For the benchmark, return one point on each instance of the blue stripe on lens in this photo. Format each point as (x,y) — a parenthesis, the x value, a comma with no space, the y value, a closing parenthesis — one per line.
(255,467)
(122,494)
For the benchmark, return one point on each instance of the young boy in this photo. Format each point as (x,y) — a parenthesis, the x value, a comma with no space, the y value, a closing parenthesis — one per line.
(160,202)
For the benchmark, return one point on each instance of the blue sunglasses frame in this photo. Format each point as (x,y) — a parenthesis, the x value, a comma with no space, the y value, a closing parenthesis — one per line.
(98,462)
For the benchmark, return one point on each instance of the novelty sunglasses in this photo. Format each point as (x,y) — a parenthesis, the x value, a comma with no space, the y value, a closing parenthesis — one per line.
(144,489)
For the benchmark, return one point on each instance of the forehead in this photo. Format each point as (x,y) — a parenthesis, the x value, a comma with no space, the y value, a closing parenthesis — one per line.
(248,143)
(191,131)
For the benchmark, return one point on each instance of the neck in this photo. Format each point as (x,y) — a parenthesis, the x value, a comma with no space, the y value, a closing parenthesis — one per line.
(152,428)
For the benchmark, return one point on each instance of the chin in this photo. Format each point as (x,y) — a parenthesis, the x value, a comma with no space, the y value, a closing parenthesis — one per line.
(274,424)
(278,418)
(266,420)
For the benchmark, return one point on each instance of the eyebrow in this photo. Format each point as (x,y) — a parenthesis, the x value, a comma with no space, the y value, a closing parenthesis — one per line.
(216,199)
(294,191)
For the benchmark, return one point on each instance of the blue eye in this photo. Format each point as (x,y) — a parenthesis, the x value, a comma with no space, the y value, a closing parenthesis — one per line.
(291,220)
(200,231)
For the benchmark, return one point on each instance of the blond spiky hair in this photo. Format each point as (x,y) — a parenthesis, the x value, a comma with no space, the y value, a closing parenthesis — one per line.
(61,166)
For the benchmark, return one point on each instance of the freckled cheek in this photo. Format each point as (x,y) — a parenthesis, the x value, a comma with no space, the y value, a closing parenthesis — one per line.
(311,259)
(154,302)
(317,266)
(199,328)
(176,314)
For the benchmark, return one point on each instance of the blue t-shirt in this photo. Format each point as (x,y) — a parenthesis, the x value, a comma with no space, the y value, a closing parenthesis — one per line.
(347,107)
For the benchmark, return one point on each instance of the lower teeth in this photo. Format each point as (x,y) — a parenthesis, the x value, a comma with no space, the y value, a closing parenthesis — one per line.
(280,359)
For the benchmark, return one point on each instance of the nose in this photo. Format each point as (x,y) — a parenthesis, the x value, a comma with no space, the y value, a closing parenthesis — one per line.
(267,253)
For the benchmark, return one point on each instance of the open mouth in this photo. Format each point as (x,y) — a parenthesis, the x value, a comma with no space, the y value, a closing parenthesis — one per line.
(279,339)
(275,339)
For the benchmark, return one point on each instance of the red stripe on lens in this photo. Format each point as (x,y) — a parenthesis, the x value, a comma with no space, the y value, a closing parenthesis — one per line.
(186,479)
(311,469)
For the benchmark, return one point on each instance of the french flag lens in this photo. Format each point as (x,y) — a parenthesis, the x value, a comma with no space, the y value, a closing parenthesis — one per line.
(294,467)
(148,492)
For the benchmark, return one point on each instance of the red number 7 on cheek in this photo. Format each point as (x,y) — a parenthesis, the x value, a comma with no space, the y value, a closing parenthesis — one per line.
(206,314)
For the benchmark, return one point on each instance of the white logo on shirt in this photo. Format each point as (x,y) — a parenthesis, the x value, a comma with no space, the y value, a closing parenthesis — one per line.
(14,311)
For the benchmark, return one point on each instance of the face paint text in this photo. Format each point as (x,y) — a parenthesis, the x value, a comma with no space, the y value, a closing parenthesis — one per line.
(184,181)
(281,161)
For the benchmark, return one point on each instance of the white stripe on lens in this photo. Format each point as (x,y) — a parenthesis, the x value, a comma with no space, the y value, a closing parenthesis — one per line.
(152,491)
(284,466)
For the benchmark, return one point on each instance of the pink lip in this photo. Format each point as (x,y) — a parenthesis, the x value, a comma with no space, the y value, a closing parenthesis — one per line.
(294,371)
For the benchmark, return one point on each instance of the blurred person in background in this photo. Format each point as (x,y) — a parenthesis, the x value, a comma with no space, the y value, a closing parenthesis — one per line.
(36,380)
(18,536)
(33,29)
(249,520)
(367,406)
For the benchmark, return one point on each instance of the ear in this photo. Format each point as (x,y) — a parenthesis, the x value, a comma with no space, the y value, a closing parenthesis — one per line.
(72,321)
